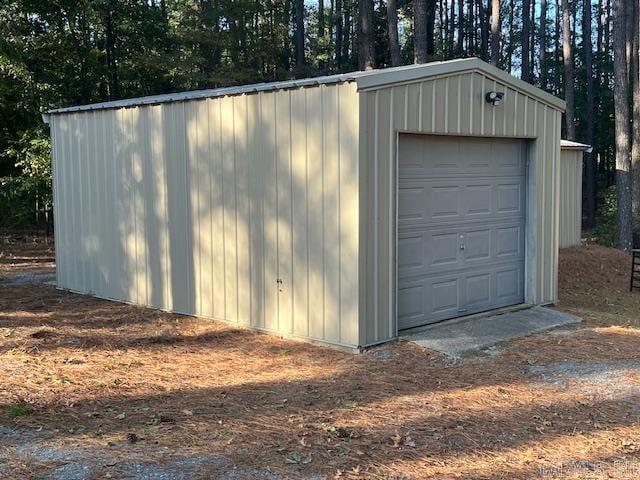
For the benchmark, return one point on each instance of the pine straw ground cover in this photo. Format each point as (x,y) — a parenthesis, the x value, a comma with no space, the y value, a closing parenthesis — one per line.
(25,255)
(125,385)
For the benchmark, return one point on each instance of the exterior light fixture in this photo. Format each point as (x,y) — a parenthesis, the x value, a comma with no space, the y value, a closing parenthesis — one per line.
(494,98)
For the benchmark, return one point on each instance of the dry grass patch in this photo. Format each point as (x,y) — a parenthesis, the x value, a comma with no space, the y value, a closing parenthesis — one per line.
(594,284)
(118,381)
(26,254)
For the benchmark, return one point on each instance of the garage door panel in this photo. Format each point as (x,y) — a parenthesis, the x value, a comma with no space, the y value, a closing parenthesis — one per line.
(411,204)
(443,201)
(428,300)
(437,250)
(411,308)
(478,199)
(443,296)
(442,249)
(509,241)
(460,270)
(438,201)
(413,151)
(475,156)
(422,252)
(411,255)
(508,154)
(444,157)
(477,245)
(509,285)
(460,227)
(421,301)
(510,197)
(478,291)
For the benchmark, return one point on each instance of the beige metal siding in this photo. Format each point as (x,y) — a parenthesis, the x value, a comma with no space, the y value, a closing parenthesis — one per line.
(199,207)
(450,105)
(570,198)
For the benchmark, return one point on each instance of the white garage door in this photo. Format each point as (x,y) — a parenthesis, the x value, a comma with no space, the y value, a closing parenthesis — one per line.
(461,225)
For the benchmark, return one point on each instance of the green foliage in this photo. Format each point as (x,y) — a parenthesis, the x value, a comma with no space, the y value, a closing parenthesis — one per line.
(32,154)
(20,410)
(607,225)
(69,52)
(26,196)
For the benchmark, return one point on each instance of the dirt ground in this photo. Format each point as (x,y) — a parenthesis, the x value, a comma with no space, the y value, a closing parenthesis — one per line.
(91,389)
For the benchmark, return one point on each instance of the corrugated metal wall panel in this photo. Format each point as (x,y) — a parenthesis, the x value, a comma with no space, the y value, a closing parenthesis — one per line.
(450,105)
(199,207)
(570,204)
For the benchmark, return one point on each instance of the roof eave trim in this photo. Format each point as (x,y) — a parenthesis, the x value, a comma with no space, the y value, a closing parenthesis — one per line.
(385,79)
(585,148)
(205,94)
(573,145)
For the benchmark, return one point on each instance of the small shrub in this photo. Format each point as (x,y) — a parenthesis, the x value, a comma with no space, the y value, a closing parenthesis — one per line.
(20,410)
(607,223)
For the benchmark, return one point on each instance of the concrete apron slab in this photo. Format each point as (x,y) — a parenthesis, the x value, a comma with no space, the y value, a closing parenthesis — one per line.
(477,333)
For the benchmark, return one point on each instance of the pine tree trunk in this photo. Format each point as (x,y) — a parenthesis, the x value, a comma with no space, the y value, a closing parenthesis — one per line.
(556,51)
(471,30)
(442,23)
(299,35)
(567,56)
(112,62)
(629,5)
(607,27)
(598,72)
(431,26)
(525,41)
(163,11)
(635,86)
(452,26)
(331,17)
(366,56)
(543,44)
(590,157)
(338,29)
(347,50)
(321,32)
(484,29)
(622,140)
(600,32)
(532,42)
(420,31)
(510,43)
(460,42)
(496,28)
(392,26)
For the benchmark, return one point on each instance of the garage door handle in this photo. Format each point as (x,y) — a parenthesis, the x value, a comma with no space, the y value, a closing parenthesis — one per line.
(462,245)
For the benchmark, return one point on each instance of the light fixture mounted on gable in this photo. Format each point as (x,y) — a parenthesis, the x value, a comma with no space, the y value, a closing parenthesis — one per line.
(494,98)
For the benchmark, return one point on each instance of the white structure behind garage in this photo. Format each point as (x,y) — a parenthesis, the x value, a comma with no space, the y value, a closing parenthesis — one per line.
(339,209)
(570,205)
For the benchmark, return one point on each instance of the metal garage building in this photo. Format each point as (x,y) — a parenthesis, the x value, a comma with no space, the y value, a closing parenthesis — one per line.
(570,205)
(340,209)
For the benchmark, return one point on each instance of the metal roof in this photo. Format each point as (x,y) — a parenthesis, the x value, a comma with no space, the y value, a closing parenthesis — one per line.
(570,145)
(210,93)
(370,79)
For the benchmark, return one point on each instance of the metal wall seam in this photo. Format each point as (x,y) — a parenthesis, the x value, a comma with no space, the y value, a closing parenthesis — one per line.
(541,182)
(58,225)
(395,126)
